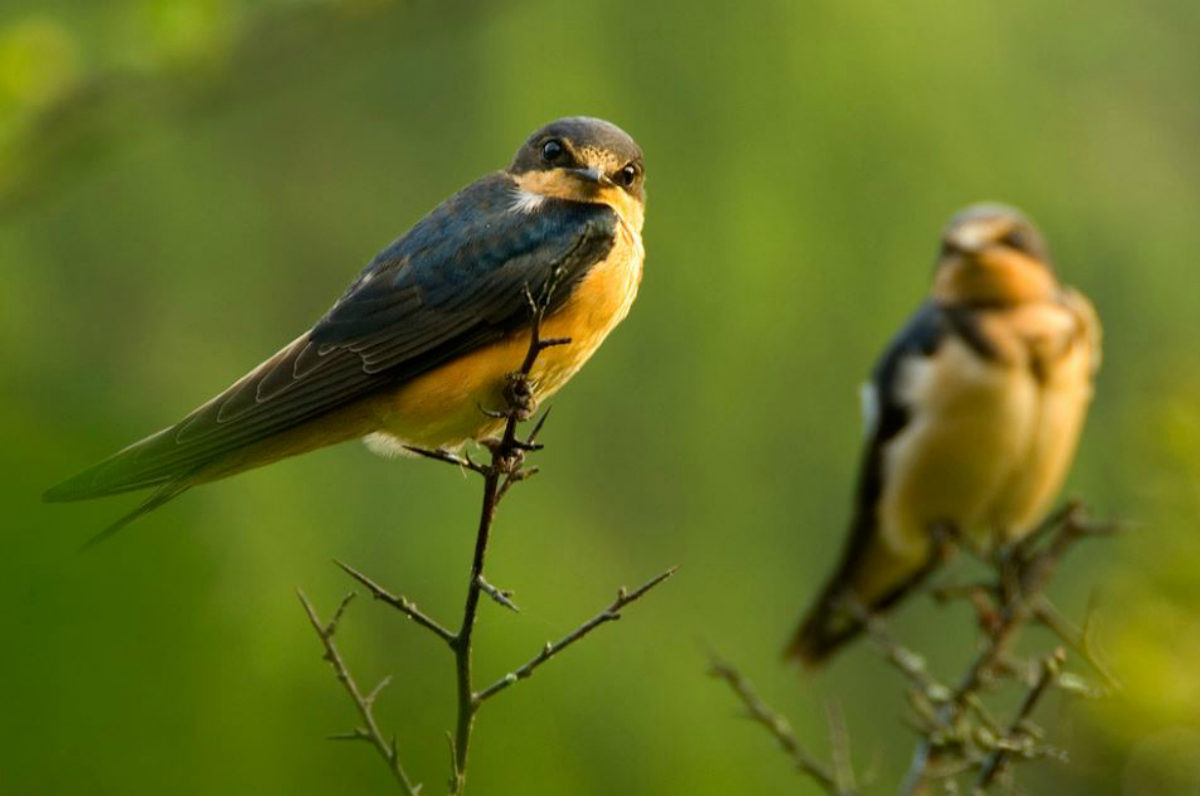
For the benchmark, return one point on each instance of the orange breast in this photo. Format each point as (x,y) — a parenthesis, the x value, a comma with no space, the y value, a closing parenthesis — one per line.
(441,408)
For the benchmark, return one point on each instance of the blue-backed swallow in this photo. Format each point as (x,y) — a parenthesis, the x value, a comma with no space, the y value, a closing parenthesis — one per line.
(428,332)
(972,417)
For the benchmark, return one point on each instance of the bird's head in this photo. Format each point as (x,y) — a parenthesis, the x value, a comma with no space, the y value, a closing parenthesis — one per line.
(586,160)
(993,254)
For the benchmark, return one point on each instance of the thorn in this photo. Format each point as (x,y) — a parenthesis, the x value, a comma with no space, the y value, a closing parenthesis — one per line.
(454,772)
(524,474)
(357,734)
(501,596)
(331,628)
(537,427)
(492,413)
(370,698)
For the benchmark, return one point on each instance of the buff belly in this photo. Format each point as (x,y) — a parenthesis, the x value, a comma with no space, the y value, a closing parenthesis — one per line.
(985,452)
(441,409)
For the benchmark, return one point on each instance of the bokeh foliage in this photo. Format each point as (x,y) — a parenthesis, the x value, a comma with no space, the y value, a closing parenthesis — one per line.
(184,184)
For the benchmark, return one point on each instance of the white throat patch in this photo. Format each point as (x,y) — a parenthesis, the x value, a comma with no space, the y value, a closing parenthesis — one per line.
(527,201)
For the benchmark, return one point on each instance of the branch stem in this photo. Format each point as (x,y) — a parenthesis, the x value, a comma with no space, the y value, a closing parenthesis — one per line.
(610,614)
(996,761)
(1024,573)
(467,706)
(760,713)
(365,705)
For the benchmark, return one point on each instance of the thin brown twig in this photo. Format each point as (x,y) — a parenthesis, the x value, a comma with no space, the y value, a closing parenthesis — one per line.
(508,457)
(1078,639)
(400,603)
(927,692)
(610,614)
(502,597)
(1024,573)
(760,713)
(909,663)
(839,749)
(439,455)
(365,705)
(995,763)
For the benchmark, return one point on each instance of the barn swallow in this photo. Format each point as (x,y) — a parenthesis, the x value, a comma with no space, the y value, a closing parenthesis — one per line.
(427,333)
(972,417)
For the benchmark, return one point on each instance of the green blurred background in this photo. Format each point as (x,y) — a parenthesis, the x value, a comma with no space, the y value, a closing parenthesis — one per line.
(186,184)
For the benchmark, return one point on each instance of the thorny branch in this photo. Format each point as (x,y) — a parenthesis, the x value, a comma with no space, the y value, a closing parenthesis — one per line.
(958,733)
(1022,574)
(506,468)
(760,713)
(1017,730)
(366,704)
(400,603)
(610,614)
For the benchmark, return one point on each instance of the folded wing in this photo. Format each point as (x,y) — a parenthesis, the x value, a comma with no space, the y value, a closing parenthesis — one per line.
(454,283)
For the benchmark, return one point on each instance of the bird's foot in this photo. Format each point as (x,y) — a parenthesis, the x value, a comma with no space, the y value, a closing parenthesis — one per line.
(519,394)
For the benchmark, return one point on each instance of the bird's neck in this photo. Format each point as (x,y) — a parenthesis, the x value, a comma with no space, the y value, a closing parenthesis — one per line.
(995,279)
(547,184)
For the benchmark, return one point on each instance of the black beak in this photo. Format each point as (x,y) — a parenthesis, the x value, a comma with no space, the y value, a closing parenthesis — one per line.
(969,239)
(592,174)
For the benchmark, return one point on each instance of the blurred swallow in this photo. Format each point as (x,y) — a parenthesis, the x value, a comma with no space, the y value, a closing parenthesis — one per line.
(972,416)
(427,333)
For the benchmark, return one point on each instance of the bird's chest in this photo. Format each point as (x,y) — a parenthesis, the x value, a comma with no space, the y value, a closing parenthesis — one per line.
(993,399)
(967,415)
(599,302)
(442,408)
(989,436)
(1032,339)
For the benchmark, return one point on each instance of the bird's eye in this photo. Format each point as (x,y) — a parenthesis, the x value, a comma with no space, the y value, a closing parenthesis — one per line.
(1017,239)
(552,150)
(627,176)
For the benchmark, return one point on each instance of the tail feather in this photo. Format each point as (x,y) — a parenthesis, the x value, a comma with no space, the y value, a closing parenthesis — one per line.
(165,493)
(827,627)
(117,474)
(870,578)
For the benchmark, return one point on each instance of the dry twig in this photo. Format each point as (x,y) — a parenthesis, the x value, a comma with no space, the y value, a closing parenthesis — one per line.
(610,614)
(760,713)
(1017,731)
(958,733)
(370,732)
(1021,576)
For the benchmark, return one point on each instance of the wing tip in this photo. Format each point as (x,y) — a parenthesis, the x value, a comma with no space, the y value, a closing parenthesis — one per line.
(121,472)
(811,648)
(98,481)
(77,487)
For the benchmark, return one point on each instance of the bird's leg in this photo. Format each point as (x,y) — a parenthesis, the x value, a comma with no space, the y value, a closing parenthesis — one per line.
(519,394)
(946,538)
